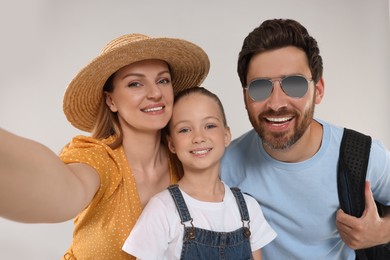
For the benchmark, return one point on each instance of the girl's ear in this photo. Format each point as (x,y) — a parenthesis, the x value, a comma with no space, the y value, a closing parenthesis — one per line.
(170,144)
(228,136)
(110,103)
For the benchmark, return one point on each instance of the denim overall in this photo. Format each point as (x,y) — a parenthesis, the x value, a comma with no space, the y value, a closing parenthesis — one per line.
(202,244)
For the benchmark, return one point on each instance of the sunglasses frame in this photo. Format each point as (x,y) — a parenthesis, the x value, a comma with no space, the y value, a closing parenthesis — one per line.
(280,83)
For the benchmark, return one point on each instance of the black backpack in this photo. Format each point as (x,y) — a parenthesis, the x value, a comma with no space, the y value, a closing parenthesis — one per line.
(351,175)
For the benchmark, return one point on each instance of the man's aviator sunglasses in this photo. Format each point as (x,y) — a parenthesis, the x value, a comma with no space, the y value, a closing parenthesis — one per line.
(294,86)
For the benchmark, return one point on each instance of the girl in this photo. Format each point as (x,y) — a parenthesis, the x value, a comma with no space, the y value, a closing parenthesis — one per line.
(200,217)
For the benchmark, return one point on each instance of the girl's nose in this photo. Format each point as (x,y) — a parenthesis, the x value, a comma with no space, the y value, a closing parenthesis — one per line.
(198,137)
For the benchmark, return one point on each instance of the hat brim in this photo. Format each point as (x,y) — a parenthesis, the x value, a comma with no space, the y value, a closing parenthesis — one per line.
(189,66)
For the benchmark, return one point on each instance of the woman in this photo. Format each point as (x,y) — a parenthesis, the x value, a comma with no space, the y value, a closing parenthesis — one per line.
(124,97)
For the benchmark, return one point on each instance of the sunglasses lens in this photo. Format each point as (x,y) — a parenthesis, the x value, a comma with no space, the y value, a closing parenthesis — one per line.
(260,89)
(295,86)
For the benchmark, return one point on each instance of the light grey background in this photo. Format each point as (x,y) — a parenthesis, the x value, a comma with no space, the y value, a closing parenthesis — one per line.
(45,43)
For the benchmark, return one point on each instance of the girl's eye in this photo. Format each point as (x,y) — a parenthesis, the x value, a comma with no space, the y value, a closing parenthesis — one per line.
(184,130)
(211,126)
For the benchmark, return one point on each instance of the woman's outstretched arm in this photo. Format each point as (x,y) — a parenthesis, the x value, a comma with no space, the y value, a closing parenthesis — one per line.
(37,187)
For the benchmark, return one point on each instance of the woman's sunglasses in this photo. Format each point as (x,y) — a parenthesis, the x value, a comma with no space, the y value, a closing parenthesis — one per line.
(294,86)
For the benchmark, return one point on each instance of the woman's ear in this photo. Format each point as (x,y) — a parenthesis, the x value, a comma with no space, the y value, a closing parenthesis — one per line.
(170,144)
(110,103)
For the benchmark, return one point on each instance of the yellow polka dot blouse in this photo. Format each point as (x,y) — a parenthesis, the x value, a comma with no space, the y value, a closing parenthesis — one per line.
(101,229)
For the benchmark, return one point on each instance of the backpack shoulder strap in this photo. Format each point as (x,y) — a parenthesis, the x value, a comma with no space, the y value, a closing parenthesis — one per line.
(351,173)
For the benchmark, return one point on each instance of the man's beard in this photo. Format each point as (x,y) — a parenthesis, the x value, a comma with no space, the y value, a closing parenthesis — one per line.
(282,140)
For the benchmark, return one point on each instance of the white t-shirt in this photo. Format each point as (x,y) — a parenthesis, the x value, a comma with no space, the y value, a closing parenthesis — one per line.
(158,233)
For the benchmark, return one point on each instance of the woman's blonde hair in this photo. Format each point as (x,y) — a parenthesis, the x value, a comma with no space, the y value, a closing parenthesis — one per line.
(107,122)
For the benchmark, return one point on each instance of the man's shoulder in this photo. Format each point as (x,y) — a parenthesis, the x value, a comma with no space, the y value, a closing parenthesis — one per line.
(241,147)
(245,139)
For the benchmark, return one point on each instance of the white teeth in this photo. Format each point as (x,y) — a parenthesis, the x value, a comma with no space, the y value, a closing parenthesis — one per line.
(278,119)
(201,151)
(153,109)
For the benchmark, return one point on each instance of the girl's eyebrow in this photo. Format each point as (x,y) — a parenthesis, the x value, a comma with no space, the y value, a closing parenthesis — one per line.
(180,122)
(206,118)
(212,117)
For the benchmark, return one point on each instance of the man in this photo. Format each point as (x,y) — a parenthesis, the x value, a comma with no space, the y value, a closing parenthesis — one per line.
(288,162)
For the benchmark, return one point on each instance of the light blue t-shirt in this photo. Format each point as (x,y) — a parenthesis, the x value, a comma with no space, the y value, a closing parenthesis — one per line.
(300,200)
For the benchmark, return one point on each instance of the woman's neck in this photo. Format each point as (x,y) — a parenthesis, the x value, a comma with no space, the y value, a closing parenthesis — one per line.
(143,149)
(149,163)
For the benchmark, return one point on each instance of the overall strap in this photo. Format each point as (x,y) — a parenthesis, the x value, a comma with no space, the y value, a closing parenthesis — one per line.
(180,203)
(241,203)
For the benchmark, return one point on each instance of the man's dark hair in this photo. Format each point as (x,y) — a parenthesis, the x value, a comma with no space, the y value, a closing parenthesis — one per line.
(275,34)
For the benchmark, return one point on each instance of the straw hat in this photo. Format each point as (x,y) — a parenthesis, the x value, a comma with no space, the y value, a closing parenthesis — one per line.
(189,66)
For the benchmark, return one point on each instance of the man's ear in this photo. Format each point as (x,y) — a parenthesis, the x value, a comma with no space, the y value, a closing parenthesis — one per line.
(244,96)
(319,91)
(110,103)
